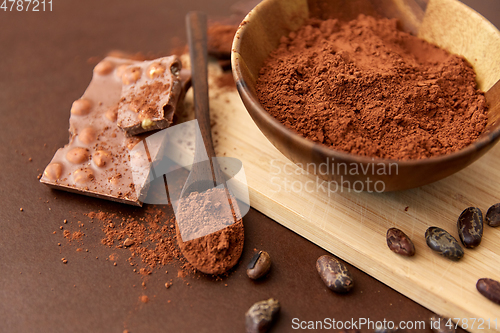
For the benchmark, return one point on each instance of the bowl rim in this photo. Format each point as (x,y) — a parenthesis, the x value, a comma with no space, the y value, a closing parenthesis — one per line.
(295,137)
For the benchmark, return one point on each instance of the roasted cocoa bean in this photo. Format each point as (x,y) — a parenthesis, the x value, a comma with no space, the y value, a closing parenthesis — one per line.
(443,243)
(490,289)
(493,216)
(261,316)
(259,265)
(470,227)
(399,242)
(334,274)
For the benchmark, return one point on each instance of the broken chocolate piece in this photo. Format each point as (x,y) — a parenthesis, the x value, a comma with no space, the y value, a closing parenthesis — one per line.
(96,161)
(149,95)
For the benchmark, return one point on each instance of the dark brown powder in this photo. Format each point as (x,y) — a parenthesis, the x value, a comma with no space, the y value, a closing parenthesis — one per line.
(214,240)
(218,252)
(225,81)
(220,39)
(151,239)
(367,88)
(200,214)
(146,102)
(152,243)
(76,235)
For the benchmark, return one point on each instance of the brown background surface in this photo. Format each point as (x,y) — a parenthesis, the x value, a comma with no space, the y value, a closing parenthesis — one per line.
(44,67)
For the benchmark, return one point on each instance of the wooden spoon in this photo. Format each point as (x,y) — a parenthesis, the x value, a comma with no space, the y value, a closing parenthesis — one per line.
(219,251)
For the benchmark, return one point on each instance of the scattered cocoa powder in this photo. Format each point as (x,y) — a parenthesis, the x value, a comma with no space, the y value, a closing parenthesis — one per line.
(77,235)
(225,80)
(181,274)
(367,88)
(151,240)
(146,101)
(220,39)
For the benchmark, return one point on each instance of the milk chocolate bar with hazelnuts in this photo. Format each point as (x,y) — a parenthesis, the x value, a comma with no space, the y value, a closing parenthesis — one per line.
(97,161)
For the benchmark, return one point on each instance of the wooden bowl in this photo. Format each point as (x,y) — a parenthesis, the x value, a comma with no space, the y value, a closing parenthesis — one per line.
(446,23)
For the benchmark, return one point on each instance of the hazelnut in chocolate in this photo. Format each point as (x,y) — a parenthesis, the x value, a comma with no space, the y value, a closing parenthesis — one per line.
(149,95)
(97,161)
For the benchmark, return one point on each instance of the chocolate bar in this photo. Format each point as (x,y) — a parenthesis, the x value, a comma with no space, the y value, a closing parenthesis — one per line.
(96,161)
(149,95)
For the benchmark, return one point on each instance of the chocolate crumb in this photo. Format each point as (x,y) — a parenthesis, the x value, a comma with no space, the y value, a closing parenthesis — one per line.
(150,239)
(128,242)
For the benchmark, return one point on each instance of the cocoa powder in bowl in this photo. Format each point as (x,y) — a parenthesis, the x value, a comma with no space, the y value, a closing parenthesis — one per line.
(366,88)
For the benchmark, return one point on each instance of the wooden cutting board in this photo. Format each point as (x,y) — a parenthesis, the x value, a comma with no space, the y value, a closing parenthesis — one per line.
(352,225)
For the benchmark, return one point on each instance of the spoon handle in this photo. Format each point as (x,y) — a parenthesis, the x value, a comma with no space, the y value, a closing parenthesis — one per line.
(197,39)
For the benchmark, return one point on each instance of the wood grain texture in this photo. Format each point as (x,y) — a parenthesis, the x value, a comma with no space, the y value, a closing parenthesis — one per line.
(353,225)
(493,97)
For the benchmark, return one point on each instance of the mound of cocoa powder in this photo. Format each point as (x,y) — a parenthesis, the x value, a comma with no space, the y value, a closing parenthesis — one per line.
(217,252)
(367,88)
(216,234)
